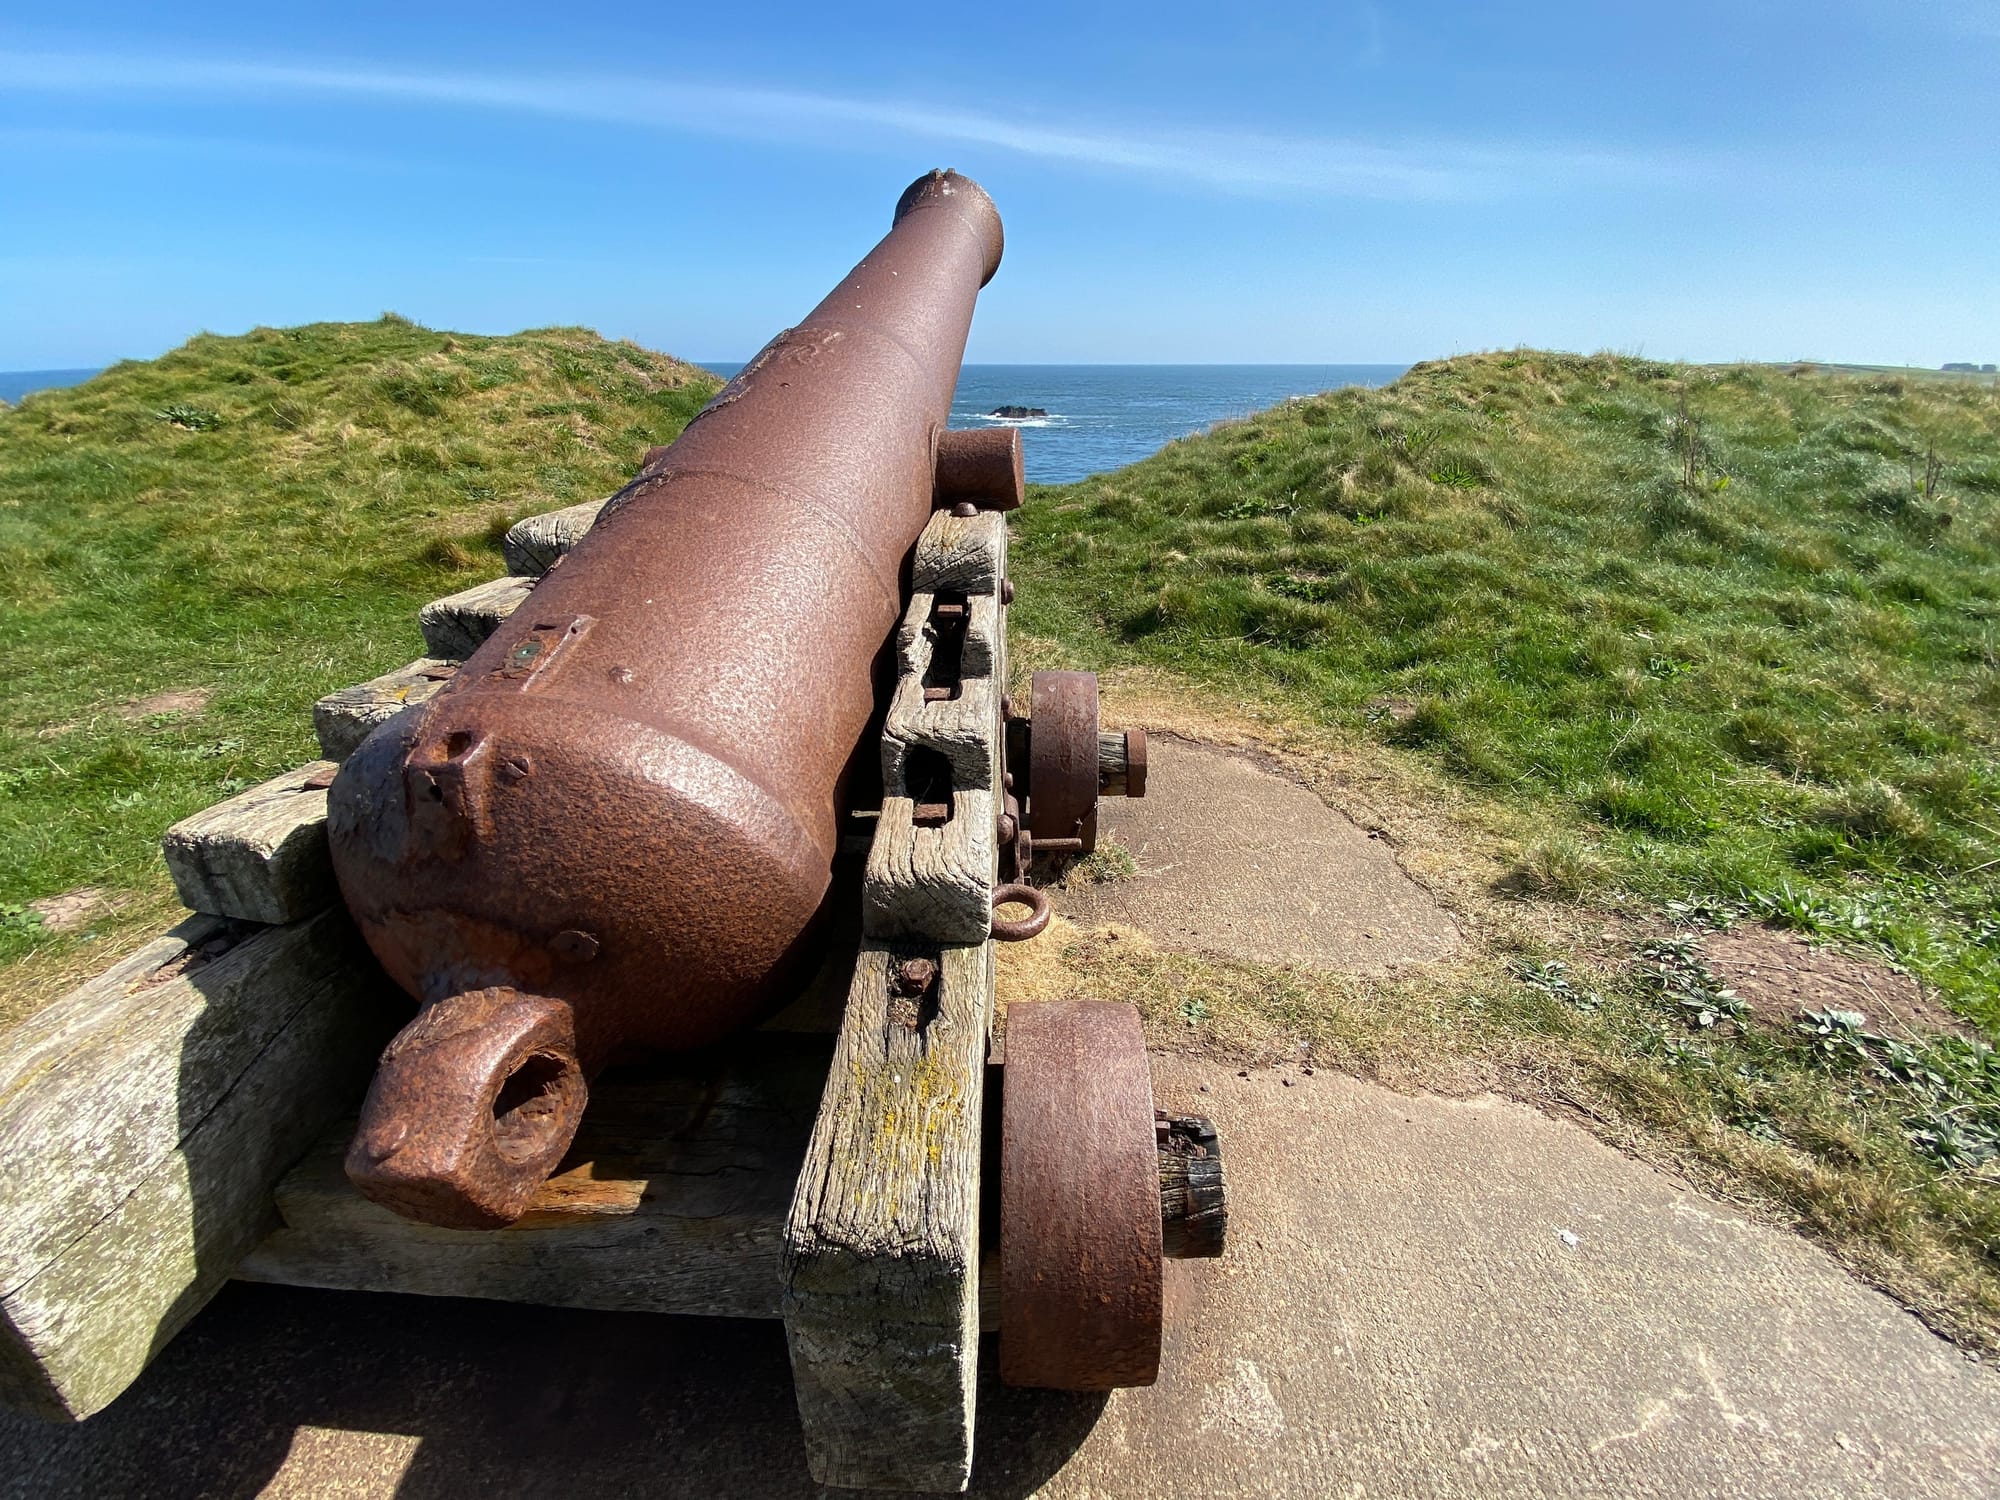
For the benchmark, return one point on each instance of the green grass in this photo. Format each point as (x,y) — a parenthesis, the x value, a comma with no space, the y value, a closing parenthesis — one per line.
(260,518)
(1702,642)
(1713,644)
(1733,631)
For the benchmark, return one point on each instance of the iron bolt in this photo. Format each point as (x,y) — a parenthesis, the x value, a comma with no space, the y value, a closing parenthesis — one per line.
(914,976)
(965,510)
(1006,591)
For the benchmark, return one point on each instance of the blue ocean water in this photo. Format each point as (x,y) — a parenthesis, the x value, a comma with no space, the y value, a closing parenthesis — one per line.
(14,384)
(1105,416)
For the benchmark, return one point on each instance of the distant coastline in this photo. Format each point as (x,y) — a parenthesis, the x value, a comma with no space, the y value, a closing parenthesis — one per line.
(14,384)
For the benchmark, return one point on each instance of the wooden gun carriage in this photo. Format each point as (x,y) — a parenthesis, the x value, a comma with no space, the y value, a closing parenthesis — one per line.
(812,1130)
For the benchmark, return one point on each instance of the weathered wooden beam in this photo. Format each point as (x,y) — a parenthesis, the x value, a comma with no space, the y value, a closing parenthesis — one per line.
(531,546)
(960,728)
(261,856)
(926,878)
(882,1248)
(146,1118)
(882,1253)
(672,1200)
(916,636)
(457,625)
(344,719)
(960,554)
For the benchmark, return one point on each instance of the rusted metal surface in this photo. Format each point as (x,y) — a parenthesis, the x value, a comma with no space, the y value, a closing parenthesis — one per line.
(1080,1243)
(1062,761)
(1017,845)
(471,1157)
(1135,763)
(626,804)
(1011,930)
(982,468)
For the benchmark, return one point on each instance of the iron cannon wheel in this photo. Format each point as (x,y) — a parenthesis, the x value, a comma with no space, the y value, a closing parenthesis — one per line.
(1080,1248)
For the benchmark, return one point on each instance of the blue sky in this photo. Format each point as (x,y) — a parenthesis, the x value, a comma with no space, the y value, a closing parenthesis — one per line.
(1349,181)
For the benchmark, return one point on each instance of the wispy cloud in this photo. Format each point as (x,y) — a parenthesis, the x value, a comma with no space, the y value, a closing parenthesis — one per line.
(1264,164)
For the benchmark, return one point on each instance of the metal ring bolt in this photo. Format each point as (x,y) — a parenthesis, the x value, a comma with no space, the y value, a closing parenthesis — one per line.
(1039,912)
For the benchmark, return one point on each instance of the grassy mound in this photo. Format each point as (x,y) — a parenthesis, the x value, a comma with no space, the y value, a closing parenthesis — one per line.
(194,548)
(1657,647)
(1699,643)
(1732,631)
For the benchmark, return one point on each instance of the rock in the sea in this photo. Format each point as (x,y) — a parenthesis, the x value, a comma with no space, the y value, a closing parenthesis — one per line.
(1015,413)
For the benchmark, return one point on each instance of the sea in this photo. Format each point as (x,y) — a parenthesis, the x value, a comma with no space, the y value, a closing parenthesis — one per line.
(1098,416)
(14,384)
(1106,416)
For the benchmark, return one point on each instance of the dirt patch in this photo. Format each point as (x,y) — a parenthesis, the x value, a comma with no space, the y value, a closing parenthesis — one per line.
(174,703)
(71,910)
(1233,858)
(1778,974)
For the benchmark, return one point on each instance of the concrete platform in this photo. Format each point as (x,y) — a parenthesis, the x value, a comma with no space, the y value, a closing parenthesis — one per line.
(1422,1298)
(1237,860)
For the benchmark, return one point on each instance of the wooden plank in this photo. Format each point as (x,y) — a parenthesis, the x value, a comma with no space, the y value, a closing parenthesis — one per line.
(147,1117)
(937,882)
(964,730)
(457,625)
(261,856)
(932,882)
(965,555)
(915,636)
(344,719)
(531,546)
(671,1200)
(882,1307)
(882,1249)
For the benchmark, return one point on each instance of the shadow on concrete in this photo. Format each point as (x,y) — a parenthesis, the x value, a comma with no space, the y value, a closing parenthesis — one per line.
(338,1392)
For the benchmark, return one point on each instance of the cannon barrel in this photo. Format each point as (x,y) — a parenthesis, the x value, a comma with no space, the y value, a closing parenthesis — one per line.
(614,829)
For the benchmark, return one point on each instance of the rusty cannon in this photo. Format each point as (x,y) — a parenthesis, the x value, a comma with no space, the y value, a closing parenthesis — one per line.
(615,828)
(711,815)
(617,832)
